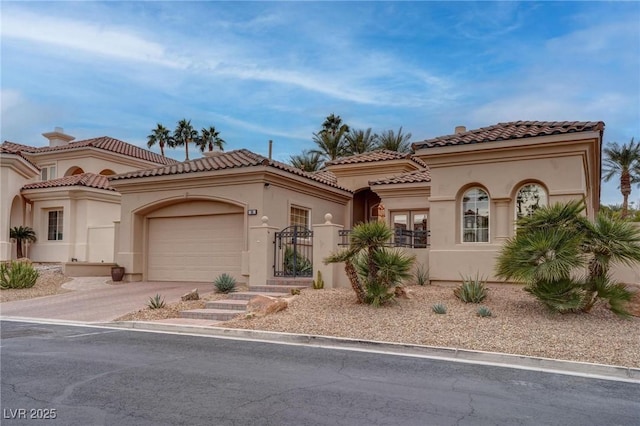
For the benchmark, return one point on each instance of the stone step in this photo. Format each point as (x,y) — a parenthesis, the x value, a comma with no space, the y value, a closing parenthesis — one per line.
(248,295)
(302,282)
(234,304)
(210,314)
(268,289)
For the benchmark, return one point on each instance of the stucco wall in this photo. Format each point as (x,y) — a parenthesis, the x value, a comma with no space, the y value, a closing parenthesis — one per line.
(563,177)
(10,184)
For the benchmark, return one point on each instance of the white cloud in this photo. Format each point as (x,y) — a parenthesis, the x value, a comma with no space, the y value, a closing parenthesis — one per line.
(92,38)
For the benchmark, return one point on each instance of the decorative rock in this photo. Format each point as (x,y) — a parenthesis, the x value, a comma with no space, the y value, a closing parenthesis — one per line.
(192,295)
(633,306)
(265,305)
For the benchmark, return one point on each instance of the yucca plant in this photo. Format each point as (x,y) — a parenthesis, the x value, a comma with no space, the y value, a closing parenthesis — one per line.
(421,275)
(225,283)
(156,302)
(439,308)
(372,269)
(472,290)
(17,275)
(483,312)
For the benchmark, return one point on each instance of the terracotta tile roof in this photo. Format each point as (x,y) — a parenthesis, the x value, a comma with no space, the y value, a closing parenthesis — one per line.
(12,147)
(225,160)
(89,180)
(377,155)
(110,144)
(511,130)
(326,175)
(417,176)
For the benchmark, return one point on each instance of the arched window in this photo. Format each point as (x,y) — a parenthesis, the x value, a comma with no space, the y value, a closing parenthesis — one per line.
(74,171)
(107,172)
(530,197)
(475,216)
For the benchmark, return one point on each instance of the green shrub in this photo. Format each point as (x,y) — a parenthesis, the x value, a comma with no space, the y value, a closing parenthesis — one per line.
(483,312)
(17,275)
(302,265)
(472,290)
(439,308)
(318,284)
(156,302)
(225,283)
(421,275)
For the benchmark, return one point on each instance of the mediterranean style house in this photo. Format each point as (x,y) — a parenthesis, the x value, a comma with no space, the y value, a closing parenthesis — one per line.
(62,192)
(452,202)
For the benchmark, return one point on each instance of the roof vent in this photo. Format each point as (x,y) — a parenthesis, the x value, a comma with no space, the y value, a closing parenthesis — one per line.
(460,129)
(58,137)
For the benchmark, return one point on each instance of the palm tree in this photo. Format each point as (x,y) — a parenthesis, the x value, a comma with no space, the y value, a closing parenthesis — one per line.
(395,141)
(330,145)
(333,124)
(210,138)
(624,161)
(184,134)
(359,141)
(307,161)
(160,135)
(21,234)
(372,269)
(555,243)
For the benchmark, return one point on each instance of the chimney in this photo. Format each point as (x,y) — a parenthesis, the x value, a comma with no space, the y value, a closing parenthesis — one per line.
(58,137)
(270,148)
(460,129)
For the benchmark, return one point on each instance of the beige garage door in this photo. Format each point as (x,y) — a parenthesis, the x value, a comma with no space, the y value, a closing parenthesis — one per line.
(194,248)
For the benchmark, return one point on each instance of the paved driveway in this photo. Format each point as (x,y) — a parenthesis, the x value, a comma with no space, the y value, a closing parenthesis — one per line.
(94,301)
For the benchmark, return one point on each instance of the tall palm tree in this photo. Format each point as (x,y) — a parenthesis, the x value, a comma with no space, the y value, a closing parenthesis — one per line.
(21,234)
(184,134)
(307,161)
(333,124)
(210,138)
(161,136)
(624,161)
(359,141)
(395,141)
(330,145)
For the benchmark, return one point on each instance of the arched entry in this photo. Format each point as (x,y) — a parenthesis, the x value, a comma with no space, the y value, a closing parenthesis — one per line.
(364,201)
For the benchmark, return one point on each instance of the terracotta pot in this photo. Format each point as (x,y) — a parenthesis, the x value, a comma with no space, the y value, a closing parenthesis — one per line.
(117,273)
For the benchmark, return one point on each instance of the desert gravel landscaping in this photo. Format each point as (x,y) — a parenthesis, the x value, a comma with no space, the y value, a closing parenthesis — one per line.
(519,324)
(49,282)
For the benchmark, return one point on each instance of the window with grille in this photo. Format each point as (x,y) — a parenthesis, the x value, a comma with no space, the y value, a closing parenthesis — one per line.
(54,229)
(475,216)
(299,216)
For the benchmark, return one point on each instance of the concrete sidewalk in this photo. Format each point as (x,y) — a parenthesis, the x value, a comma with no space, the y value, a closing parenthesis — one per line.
(94,299)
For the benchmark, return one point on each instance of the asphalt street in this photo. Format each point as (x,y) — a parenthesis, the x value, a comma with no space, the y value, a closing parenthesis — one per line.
(100,376)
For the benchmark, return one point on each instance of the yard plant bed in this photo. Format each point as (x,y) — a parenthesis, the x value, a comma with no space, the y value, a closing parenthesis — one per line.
(518,325)
(49,282)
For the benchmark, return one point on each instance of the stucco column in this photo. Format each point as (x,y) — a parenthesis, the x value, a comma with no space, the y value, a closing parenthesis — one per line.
(261,252)
(325,242)
(503,219)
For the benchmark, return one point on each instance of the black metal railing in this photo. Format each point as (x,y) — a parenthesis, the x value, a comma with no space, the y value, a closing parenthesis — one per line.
(293,254)
(400,238)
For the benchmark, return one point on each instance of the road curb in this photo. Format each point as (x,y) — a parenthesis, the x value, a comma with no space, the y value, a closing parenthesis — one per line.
(584,369)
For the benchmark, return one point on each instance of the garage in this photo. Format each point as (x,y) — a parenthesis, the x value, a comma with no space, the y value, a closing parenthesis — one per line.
(194,248)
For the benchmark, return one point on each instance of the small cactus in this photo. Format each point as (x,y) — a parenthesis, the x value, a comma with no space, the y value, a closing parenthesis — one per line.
(483,312)
(439,308)
(318,283)
(225,283)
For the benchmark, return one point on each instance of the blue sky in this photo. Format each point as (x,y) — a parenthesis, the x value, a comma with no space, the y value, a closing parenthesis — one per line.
(275,70)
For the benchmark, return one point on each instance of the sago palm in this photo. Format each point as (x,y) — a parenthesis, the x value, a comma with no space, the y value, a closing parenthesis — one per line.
(22,234)
(623,161)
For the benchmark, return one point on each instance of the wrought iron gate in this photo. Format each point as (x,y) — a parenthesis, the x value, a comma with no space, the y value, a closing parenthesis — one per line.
(293,252)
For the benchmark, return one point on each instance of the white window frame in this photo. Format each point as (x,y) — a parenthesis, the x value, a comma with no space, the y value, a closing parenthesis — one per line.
(301,208)
(544,191)
(48,172)
(59,225)
(463,218)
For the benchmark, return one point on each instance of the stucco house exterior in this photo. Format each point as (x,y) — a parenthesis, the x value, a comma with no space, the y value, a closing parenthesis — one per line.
(452,203)
(62,192)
